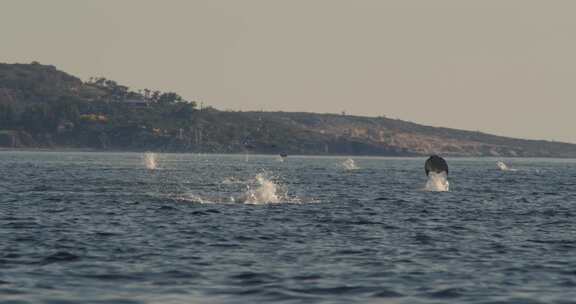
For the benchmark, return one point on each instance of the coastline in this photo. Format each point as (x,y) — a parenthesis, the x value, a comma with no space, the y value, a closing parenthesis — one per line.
(89,150)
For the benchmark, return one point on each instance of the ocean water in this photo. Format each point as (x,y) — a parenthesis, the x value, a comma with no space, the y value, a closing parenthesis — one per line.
(111,228)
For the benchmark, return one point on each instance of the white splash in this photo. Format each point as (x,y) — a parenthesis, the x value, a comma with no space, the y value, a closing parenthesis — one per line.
(193,198)
(264,192)
(503,167)
(149,160)
(349,164)
(259,190)
(437,182)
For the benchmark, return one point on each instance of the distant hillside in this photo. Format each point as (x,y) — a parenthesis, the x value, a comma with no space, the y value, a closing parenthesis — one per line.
(42,107)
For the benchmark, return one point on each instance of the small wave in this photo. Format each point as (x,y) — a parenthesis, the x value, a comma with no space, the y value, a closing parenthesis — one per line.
(205,212)
(59,257)
(448,293)
(336,290)
(387,293)
(253,278)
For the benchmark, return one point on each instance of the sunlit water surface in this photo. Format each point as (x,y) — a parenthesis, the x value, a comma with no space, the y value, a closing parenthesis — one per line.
(105,228)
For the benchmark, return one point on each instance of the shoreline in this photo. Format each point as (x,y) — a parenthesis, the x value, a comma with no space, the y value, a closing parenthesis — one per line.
(88,150)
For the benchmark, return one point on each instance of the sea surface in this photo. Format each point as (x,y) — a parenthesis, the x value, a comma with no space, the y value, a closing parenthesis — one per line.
(186,228)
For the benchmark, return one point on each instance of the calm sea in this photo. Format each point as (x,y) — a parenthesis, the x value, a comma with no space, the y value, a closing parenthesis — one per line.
(181,228)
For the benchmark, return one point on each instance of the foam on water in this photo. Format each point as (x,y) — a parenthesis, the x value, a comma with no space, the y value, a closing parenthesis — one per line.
(349,164)
(503,167)
(265,191)
(193,198)
(259,190)
(437,182)
(149,160)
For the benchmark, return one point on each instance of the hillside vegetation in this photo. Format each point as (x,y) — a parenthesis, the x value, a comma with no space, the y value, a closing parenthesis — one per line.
(42,107)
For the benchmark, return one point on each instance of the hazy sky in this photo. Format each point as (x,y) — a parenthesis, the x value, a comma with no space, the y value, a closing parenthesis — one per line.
(504,66)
